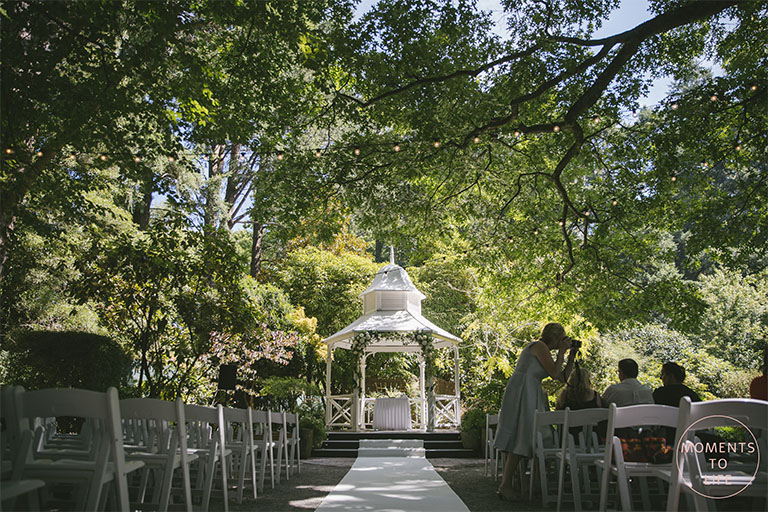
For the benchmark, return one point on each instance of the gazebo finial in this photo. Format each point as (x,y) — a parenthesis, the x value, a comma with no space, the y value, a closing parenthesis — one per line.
(391,255)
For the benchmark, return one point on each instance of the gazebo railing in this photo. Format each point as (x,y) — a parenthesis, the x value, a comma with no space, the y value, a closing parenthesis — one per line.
(340,407)
(447,411)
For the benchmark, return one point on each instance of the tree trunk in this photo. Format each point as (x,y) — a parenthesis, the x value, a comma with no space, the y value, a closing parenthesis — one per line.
(141,212)
(233,176)
(211,209)
(258,236)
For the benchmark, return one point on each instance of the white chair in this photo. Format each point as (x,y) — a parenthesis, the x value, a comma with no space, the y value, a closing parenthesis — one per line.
(108,464)
(578,453)
(613,464)
(491,453)
(293,440)
(261,427)
(546,447)
(162,446)
(239,432)
(280,443)
(697,476)
(206,439)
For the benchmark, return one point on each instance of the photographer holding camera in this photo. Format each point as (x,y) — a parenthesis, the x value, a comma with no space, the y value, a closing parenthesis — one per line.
(524,395)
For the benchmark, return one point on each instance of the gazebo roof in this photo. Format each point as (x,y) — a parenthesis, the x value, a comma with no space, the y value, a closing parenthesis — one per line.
(392,304)
(401,321)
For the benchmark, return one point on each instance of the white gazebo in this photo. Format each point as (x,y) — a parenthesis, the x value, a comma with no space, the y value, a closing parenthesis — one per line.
(391,305)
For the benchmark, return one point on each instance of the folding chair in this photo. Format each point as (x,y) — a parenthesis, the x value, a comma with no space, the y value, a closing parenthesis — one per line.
(491,454)
(697,476)
(281,443)
(578,453)
(261,427)
(239,432)
(91,475)
(544,451)
(613,463)
(162,447)
(206,439)
(293,441)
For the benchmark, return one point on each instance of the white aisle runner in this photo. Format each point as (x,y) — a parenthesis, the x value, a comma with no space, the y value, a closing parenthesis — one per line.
(392,475)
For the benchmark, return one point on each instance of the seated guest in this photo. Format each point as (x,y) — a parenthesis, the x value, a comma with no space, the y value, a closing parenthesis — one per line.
(673,375)
(578,392)
(628,391)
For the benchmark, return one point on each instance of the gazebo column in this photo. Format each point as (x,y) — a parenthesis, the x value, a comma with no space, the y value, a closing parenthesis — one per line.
(457,393)
(422,396)
(328,405)
(362,388)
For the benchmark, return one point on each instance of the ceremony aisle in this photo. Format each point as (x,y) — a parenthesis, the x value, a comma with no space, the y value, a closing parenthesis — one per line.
(392,475)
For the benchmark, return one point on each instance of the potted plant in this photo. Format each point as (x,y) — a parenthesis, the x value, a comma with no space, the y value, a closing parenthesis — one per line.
(472,426)
(311,425)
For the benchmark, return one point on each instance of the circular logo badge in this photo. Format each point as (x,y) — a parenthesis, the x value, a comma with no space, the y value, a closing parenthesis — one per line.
(714,475)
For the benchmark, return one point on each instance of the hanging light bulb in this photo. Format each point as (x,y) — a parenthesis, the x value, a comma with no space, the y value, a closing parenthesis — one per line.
(674,106)
(673,177)
(556,128)
(704,164)
(242,156)
(517,133)
(318,154)
(738,147)
(39,154)
(615,201)
(137,159)
(8,151)
(536,232)
(396,148)
(476,139)
(560,223)
(72,156)
(586,213)
(357,151)
(753,88)
(436,143)
(280,156)
(595,119)
(713,97)
(634,113)
(103,157)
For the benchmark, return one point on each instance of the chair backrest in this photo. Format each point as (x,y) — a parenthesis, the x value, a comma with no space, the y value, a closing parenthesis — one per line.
(292,424)
(729,412)
(238,424)
(261,421)
(641,415)
(162,424)
(205,425)
(544,422)
(586,420)
(104,411)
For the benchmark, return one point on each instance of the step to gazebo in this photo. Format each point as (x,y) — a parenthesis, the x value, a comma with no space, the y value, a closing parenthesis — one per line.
(436,444)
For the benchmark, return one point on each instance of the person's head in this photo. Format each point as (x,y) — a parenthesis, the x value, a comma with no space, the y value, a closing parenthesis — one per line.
(552,334)
(580,379)
(627,369)
(672,373)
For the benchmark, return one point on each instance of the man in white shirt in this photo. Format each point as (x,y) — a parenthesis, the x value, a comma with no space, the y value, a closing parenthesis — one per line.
(629,391)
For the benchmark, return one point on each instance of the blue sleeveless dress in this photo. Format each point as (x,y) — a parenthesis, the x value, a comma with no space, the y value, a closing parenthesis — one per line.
(522,397)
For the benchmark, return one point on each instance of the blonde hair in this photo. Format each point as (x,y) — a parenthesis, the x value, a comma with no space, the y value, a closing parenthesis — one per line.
(577,388)
(551,333)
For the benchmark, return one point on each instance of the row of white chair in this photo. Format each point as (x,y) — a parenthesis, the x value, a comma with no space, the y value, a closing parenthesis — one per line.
(582,454)
(146,440)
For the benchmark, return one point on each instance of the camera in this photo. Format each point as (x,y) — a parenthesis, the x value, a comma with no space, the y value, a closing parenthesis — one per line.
(575,344)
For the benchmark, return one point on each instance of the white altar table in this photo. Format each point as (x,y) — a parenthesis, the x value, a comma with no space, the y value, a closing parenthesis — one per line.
(392,414)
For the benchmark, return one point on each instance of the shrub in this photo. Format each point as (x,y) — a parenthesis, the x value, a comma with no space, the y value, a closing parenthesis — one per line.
(473,421)
(47,359)
(312,416)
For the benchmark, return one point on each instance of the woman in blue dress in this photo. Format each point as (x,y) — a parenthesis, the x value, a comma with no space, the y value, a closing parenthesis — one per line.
(524,395)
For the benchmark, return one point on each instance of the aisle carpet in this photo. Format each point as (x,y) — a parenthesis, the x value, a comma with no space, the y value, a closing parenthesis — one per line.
(392,475)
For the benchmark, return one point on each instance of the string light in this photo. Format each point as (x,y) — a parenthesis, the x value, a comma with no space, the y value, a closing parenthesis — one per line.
(615,201)
(586,213)
(103,157)
(39,153)
(753,88)
(595,119)
(171,158)
(280,156)
(137,159)
(560,223)
(517,133)
(704,164)
(8,151)
(674,106)
(738,147)
(536,232)
(713,97)
(673,178)
(357,151)
(436,143)
(476,139)
(397,148)
(242,156)
(556,128)
(72,156)
(634,113)
(317,154)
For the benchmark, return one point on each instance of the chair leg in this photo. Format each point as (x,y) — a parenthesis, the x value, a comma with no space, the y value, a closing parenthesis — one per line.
(574,465)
